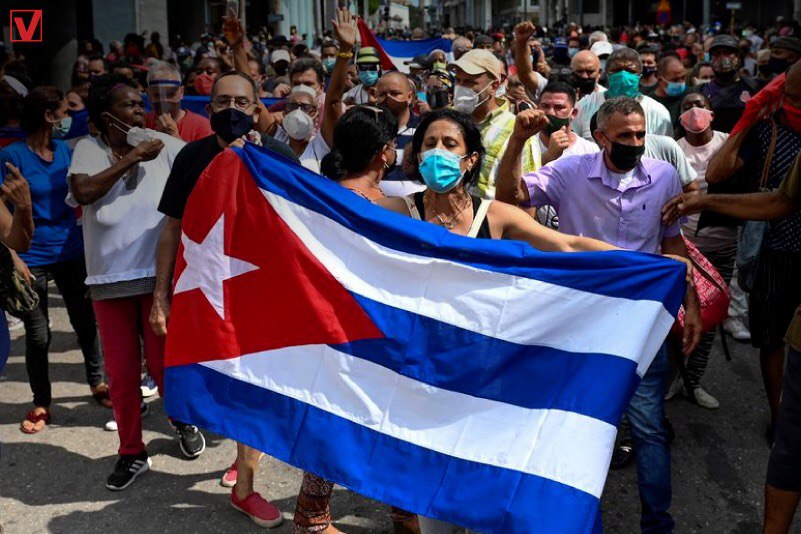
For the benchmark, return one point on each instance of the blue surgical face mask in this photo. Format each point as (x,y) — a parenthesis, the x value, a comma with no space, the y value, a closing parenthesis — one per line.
(328,63)
(368,77)
(572,51)
(440,169)
(61,127)
(624,83)
(675,88)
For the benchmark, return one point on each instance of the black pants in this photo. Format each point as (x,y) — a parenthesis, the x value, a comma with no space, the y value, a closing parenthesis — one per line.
(784,466)
(69,277)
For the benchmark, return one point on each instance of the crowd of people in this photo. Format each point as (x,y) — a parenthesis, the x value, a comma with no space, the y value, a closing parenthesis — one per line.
(641,138)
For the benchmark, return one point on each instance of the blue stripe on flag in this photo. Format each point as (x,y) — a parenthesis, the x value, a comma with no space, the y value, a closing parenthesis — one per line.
(373,464)
(458,360)
(414,48)
(631,275)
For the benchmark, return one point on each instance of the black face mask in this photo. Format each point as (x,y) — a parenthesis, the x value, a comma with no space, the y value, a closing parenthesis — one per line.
(555,123)
(584,85)
(625,157)
(281,70)
(778,66)
(231,124)
(725,76)
(765,69)
(648,71)
(437,99)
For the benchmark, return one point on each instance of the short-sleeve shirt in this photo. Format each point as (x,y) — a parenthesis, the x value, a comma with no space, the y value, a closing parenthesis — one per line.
(56,236)
(728,101)
(667,149)
(191,127)
(121,229)
(190,164)
(593,202)
(579,147)
(657,117)
(784,235)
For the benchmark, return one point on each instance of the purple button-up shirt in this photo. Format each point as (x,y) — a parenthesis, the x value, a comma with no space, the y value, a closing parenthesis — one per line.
(591,202)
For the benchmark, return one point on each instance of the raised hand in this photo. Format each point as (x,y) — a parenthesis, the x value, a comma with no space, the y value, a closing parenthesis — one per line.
(559,141)
(524,31)
(345,29)
(15,189)
(232,28)
(148,150)
(165,123)
(529,123)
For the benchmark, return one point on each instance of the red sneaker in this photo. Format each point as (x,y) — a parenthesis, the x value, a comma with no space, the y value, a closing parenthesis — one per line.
(228,479)
(262,512)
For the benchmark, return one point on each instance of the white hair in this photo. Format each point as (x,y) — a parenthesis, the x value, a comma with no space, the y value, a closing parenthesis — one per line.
(159,69)
(597,36)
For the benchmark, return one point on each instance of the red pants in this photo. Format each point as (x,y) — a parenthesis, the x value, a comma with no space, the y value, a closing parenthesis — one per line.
(121,322)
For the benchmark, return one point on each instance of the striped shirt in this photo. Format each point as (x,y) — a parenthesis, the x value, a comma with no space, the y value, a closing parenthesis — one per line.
(496,128)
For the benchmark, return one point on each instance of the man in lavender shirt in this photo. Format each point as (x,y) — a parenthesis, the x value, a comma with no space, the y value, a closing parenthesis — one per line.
(616,196)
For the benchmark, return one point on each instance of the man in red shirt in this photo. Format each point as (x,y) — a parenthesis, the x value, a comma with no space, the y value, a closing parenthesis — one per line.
(165,92)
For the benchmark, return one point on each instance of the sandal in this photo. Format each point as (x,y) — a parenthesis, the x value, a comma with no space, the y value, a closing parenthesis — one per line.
(101,395)
(34,418)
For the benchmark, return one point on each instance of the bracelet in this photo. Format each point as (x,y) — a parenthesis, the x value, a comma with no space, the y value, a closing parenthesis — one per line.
(345,55)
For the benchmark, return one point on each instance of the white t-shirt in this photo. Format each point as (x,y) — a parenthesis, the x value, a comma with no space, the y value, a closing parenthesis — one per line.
(579,147)
(359,95)
(121,229)
(657,117)
(667,149)
(711,238)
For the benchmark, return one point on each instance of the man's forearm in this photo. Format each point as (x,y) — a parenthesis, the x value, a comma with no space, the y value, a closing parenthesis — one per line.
(725,162)
(165,257)
(508,183)
(764,206)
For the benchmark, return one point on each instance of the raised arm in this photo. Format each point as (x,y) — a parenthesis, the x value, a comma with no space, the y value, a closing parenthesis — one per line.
(235,35)
(525,69)
(345,30)
(87,189)
(509,186)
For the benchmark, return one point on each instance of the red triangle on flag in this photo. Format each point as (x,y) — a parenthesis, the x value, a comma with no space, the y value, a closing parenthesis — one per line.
(288,299)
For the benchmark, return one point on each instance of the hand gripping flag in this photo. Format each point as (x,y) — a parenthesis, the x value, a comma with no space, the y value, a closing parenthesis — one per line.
(474,381)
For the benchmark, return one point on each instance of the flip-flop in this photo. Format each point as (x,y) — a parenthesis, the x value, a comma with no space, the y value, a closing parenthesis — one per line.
(35,418)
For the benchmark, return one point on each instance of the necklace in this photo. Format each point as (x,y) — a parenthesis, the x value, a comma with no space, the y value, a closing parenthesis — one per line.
(438,217)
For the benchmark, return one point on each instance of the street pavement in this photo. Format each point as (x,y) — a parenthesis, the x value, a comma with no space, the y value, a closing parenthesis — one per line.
(54,481)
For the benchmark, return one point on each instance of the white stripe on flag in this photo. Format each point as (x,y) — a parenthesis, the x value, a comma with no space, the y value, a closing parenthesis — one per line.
(554,444)
(490,303)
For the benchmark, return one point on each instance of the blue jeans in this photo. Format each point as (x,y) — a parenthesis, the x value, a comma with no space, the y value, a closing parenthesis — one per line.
(646,414)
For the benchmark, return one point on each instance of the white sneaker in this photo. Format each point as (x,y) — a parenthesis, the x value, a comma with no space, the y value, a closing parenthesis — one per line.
(735,327)
(705,400)
(676,388)
(111,426)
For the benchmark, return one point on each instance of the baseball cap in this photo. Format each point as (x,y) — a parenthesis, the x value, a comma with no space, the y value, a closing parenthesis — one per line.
(479,61)
(601,48)
(482,40)
(279,55)
(725,41)
(367,54)
(788,43)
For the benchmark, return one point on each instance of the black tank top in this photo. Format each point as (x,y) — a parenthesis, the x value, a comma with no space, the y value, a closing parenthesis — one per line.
(483,230)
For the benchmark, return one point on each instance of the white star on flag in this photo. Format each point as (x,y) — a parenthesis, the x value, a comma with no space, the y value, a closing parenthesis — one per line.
(208,267)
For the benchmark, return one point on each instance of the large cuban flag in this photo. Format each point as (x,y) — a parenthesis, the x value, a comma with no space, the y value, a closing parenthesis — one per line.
(475,381)
(401,51)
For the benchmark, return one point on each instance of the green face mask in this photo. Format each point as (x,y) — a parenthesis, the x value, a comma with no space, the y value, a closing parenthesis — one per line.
(555,124)
(624,83)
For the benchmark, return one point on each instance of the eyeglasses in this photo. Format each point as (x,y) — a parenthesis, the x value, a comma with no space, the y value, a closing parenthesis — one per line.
(308,108)
(376,111)
(241,103)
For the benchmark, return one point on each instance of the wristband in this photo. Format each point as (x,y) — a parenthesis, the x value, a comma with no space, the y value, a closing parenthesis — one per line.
(345,55)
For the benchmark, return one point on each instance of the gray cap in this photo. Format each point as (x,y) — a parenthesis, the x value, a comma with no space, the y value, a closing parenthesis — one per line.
(788,43)
(725,41)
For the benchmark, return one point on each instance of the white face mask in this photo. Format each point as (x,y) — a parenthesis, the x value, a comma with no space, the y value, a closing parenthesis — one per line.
(136,136)
(466,100)
(298,125)
(500,92)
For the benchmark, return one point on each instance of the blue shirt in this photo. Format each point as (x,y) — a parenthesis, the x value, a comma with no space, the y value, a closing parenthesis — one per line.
(56,236)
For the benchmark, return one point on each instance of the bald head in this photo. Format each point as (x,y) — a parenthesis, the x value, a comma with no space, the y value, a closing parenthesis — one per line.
(585,60)
(397,77)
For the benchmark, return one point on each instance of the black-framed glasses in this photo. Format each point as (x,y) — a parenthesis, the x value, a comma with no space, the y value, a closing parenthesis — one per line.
(241,103)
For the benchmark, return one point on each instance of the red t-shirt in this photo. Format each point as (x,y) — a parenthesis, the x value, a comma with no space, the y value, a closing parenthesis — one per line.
(190,128)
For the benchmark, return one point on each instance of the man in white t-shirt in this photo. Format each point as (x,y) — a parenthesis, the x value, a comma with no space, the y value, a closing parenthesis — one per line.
(557,138)
(624,70)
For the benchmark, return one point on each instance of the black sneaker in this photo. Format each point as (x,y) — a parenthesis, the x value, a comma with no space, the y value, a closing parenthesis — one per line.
(129,466)
(190,439)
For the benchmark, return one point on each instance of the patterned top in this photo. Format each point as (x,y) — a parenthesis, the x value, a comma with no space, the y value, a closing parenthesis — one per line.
(496,128)
(784,234)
